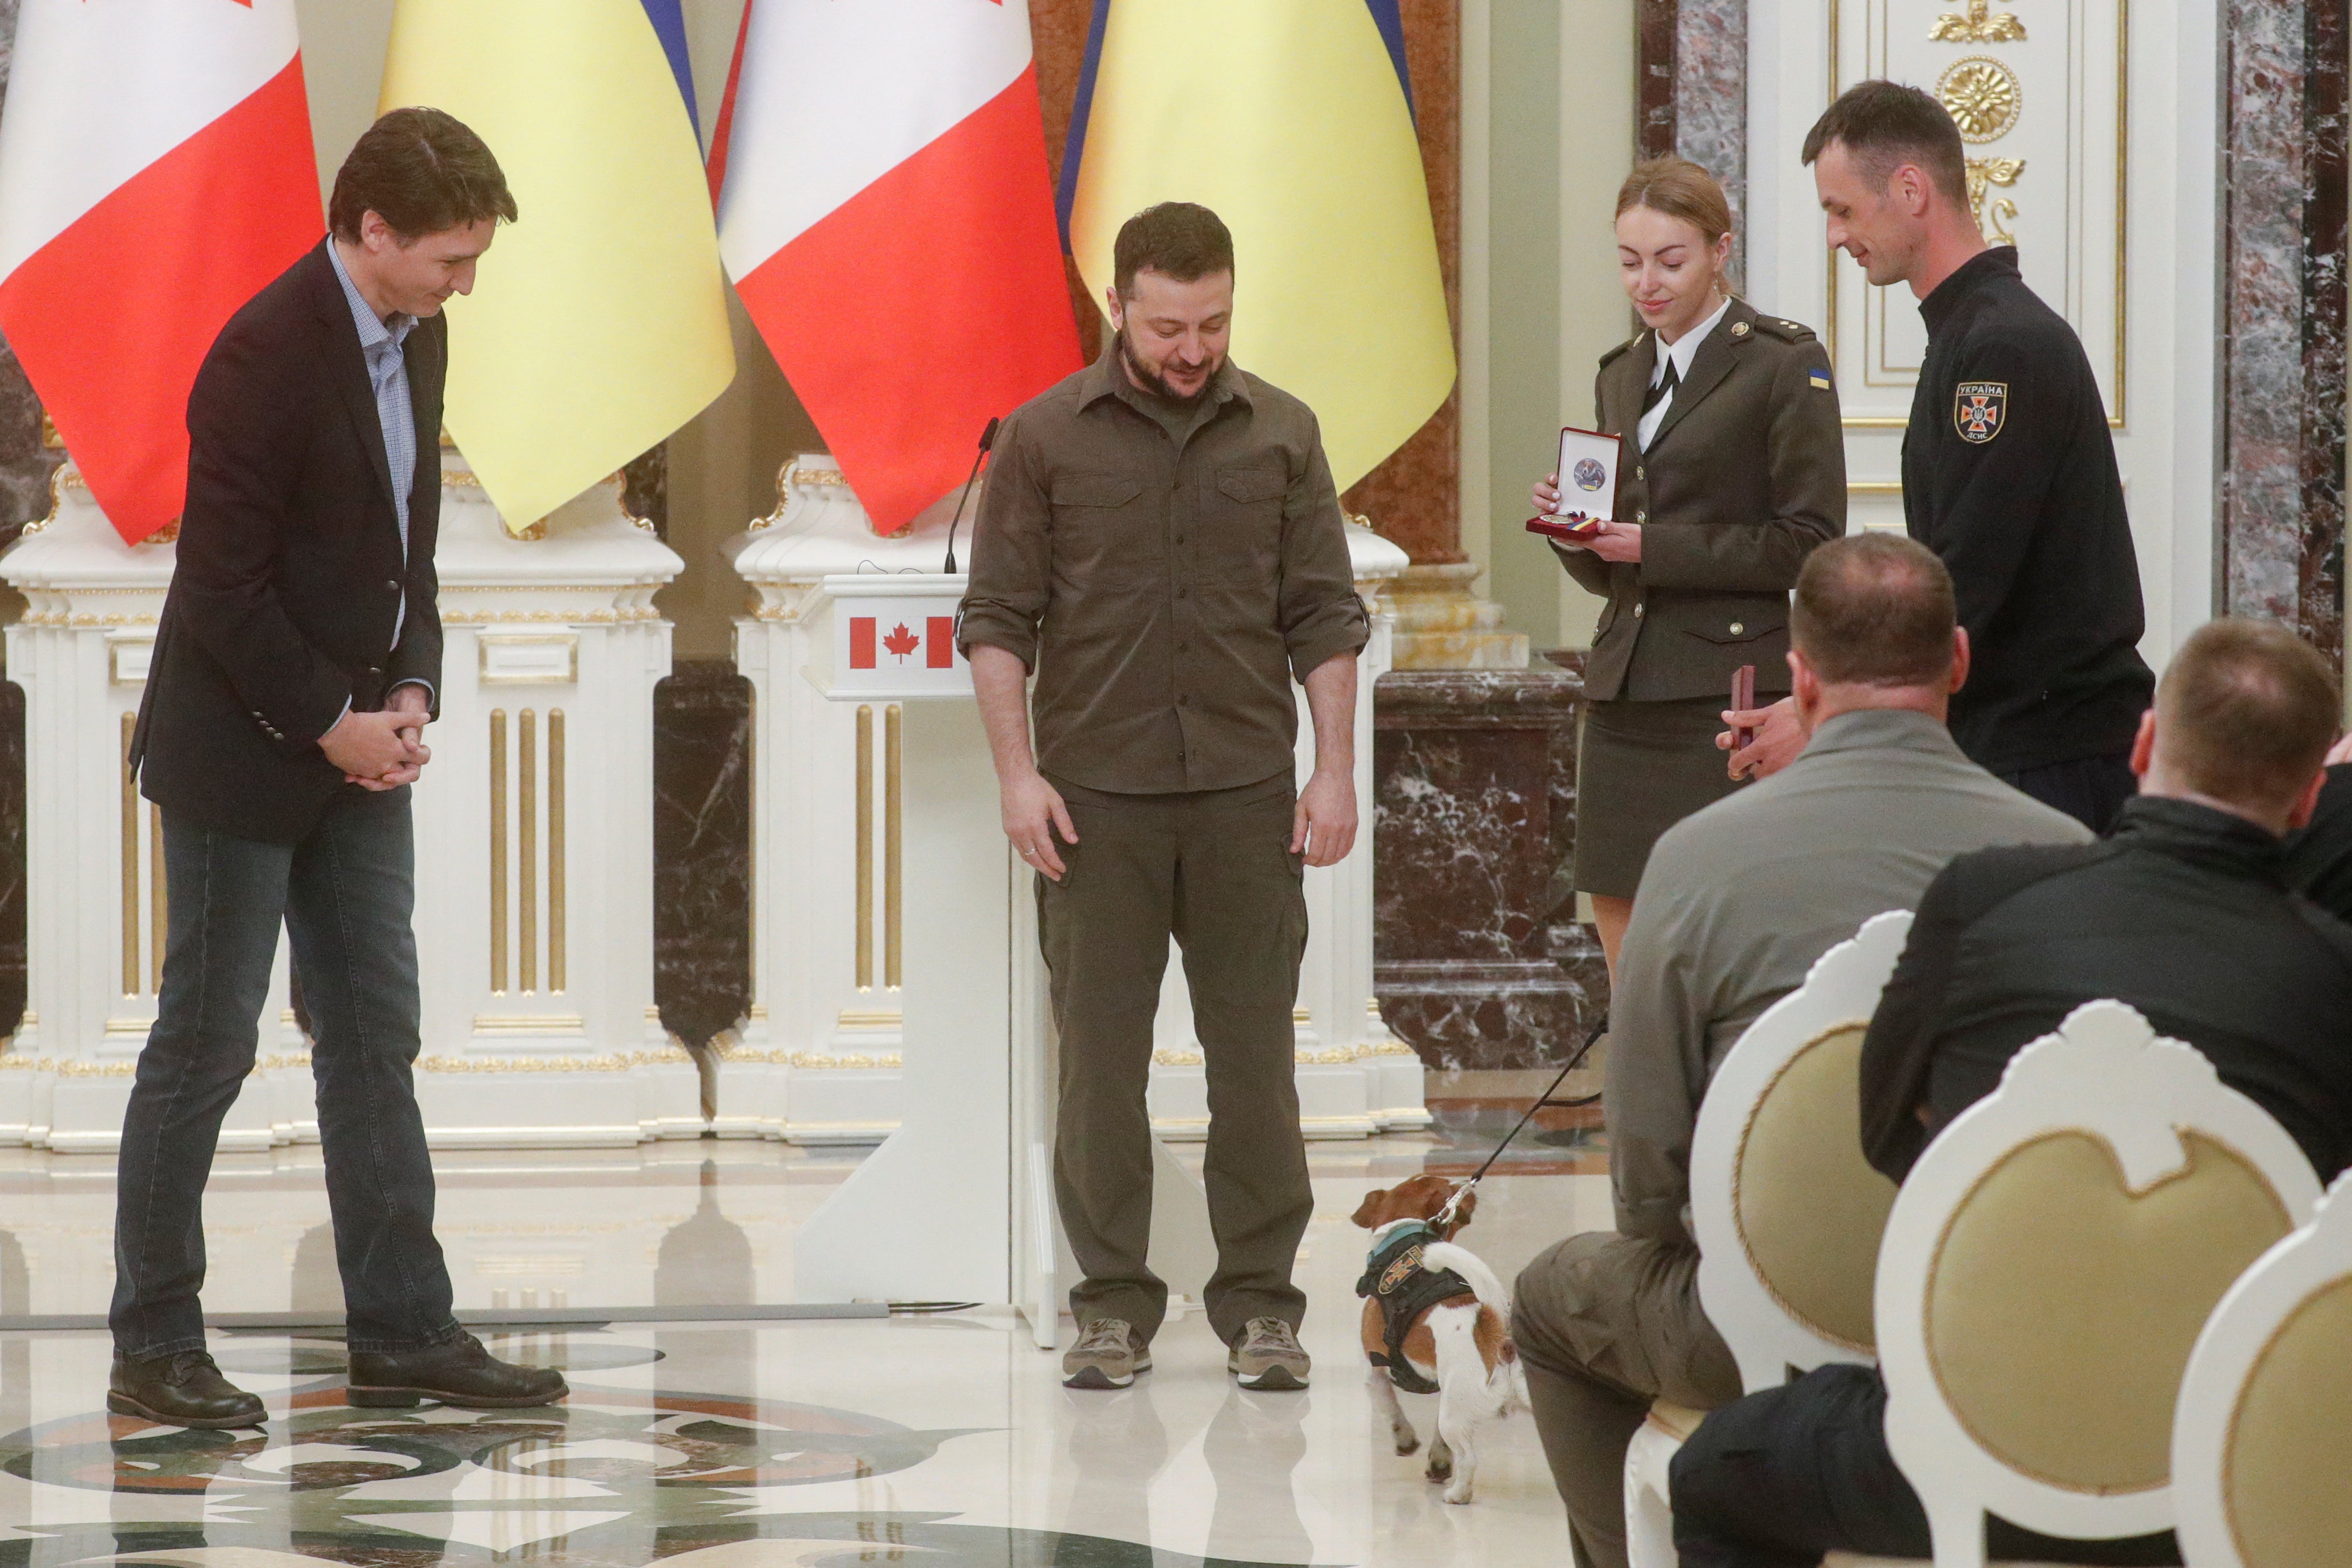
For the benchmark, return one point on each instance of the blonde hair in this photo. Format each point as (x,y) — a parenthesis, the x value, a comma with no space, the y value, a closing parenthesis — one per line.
(1680,189)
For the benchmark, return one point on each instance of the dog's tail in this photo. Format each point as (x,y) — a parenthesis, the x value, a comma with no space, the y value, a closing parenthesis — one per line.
(1441,1254)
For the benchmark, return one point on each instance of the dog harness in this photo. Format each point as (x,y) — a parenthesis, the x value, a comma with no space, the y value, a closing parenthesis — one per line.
(1394,1278)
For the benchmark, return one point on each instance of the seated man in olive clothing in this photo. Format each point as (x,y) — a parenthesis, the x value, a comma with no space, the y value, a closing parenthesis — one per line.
(2186,914)
(1736,902)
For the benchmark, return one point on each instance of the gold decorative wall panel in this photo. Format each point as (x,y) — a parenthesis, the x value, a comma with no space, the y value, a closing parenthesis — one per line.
(2043,108)
(529,892)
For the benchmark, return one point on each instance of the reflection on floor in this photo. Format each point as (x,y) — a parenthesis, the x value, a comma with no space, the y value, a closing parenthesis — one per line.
(939,1440)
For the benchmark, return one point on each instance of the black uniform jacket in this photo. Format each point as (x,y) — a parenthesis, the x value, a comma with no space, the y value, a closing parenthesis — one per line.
(2184,913)
(291,572)
(1746,475)
(2319,858)
(2009,474)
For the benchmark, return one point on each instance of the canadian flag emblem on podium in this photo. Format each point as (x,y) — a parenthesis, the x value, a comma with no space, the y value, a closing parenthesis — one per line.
(874,645)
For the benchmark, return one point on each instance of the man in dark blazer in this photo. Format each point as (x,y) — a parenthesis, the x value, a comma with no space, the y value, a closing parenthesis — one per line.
(295,670)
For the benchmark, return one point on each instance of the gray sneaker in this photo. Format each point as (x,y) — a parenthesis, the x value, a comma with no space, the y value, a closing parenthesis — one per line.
(1267,1355)
(1108,1355)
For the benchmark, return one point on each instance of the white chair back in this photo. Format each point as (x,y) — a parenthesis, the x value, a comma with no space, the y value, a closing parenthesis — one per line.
(2046,1267)
(2264,1423)
(1786,1212)
(1785,1209)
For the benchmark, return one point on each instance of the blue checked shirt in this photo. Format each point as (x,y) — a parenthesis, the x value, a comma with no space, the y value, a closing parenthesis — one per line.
(387,368)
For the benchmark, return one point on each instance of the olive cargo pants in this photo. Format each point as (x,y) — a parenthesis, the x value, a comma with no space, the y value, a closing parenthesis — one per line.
(1212,868)
(1606,1323)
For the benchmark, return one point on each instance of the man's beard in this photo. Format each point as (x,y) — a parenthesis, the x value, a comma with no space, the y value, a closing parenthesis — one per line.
(1157,384)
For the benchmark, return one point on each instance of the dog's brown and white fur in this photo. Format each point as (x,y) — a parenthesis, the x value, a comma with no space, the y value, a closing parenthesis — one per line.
(1462,1343)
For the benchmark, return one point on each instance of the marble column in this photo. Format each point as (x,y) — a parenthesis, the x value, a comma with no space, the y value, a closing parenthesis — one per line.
(1691,96)
(1478,961)
(702,850)
(2281,545)
(25,466)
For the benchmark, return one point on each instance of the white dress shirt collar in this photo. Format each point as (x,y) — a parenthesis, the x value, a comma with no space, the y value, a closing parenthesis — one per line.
(1685,349)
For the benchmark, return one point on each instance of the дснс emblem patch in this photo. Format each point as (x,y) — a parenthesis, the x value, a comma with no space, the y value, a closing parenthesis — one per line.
(1979,408)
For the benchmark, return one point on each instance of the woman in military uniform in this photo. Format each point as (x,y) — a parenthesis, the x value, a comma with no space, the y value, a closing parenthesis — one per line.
(1732,469)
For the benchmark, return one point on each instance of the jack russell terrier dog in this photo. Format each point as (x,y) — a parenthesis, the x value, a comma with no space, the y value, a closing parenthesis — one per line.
(1436,1321)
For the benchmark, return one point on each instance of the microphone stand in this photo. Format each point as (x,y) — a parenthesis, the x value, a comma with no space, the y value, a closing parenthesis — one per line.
(987,439)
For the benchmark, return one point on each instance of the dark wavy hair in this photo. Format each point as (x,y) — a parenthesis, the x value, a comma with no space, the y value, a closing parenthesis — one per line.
(1182,240)
(421,172)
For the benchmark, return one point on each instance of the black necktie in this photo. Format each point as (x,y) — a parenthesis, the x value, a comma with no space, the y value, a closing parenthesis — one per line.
(1664,389)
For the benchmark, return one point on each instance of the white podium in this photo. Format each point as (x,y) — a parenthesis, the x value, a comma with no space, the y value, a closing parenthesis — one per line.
(818,1058)
(534,875)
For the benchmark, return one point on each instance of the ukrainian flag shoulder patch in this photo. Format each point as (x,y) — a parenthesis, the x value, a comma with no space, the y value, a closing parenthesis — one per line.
(1821,379)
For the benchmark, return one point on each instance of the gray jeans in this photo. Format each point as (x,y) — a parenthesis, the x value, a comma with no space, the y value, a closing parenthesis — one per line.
(345,895)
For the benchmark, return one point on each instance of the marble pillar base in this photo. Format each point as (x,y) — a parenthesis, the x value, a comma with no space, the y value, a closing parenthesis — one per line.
(1479,960)
(1442,625)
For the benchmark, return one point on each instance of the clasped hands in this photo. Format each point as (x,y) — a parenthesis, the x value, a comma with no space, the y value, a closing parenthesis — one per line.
(382,751)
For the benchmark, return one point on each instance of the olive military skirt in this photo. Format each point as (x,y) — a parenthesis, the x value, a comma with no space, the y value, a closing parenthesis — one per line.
(1641,768)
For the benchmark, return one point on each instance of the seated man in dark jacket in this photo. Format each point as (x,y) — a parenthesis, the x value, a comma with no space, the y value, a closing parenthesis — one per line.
(2187,914)
(2319,853)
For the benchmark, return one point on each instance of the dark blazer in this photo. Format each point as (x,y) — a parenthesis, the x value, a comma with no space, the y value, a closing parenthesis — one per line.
(289,575)
(1746,476)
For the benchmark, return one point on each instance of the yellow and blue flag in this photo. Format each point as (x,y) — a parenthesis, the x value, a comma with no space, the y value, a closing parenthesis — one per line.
(598,323)
(1293,120)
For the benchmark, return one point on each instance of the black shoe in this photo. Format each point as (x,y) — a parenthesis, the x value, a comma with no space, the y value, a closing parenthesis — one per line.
(458,1371)
(182,1389)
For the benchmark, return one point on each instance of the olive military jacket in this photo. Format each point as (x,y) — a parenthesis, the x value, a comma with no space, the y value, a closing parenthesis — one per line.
(1165,586)
(1745,475)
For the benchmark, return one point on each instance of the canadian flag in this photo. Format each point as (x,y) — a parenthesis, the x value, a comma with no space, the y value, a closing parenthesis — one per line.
(936,643)
(155,172)
(885,211)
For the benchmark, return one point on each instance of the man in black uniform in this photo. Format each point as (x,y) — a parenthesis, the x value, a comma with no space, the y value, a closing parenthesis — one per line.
(2008,470)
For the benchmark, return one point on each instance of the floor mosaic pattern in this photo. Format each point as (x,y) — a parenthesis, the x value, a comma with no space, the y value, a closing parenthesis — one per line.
(935,1441)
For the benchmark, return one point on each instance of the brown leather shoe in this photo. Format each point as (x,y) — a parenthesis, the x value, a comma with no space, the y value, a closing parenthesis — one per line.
(182,1389)
(458,1371)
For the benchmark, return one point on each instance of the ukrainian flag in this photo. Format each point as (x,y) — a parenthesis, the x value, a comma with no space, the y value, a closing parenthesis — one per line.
(1293,119)
(598,323)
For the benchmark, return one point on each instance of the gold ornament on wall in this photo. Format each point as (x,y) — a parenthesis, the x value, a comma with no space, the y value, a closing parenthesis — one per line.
(1981,24)
(1984,174)
(1984,96)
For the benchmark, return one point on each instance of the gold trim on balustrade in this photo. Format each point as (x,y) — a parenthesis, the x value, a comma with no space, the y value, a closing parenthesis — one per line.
(497,852)
(159,906)
(864,846)
(893,842)
(527,811)
(130,862)
(556,896)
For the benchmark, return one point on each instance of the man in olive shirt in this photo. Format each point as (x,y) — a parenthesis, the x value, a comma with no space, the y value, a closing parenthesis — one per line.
(1161,543)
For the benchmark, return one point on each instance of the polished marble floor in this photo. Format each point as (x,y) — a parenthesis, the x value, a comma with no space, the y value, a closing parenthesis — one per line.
(943,1439)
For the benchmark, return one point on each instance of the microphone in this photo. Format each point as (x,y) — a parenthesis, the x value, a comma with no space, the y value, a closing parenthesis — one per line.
(987,439)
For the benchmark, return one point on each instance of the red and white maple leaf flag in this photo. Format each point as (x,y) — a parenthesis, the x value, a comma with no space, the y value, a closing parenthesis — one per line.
(885,211)
(155,172)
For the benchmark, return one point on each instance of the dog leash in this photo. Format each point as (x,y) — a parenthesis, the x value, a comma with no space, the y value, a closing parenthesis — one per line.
(1464,1189)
